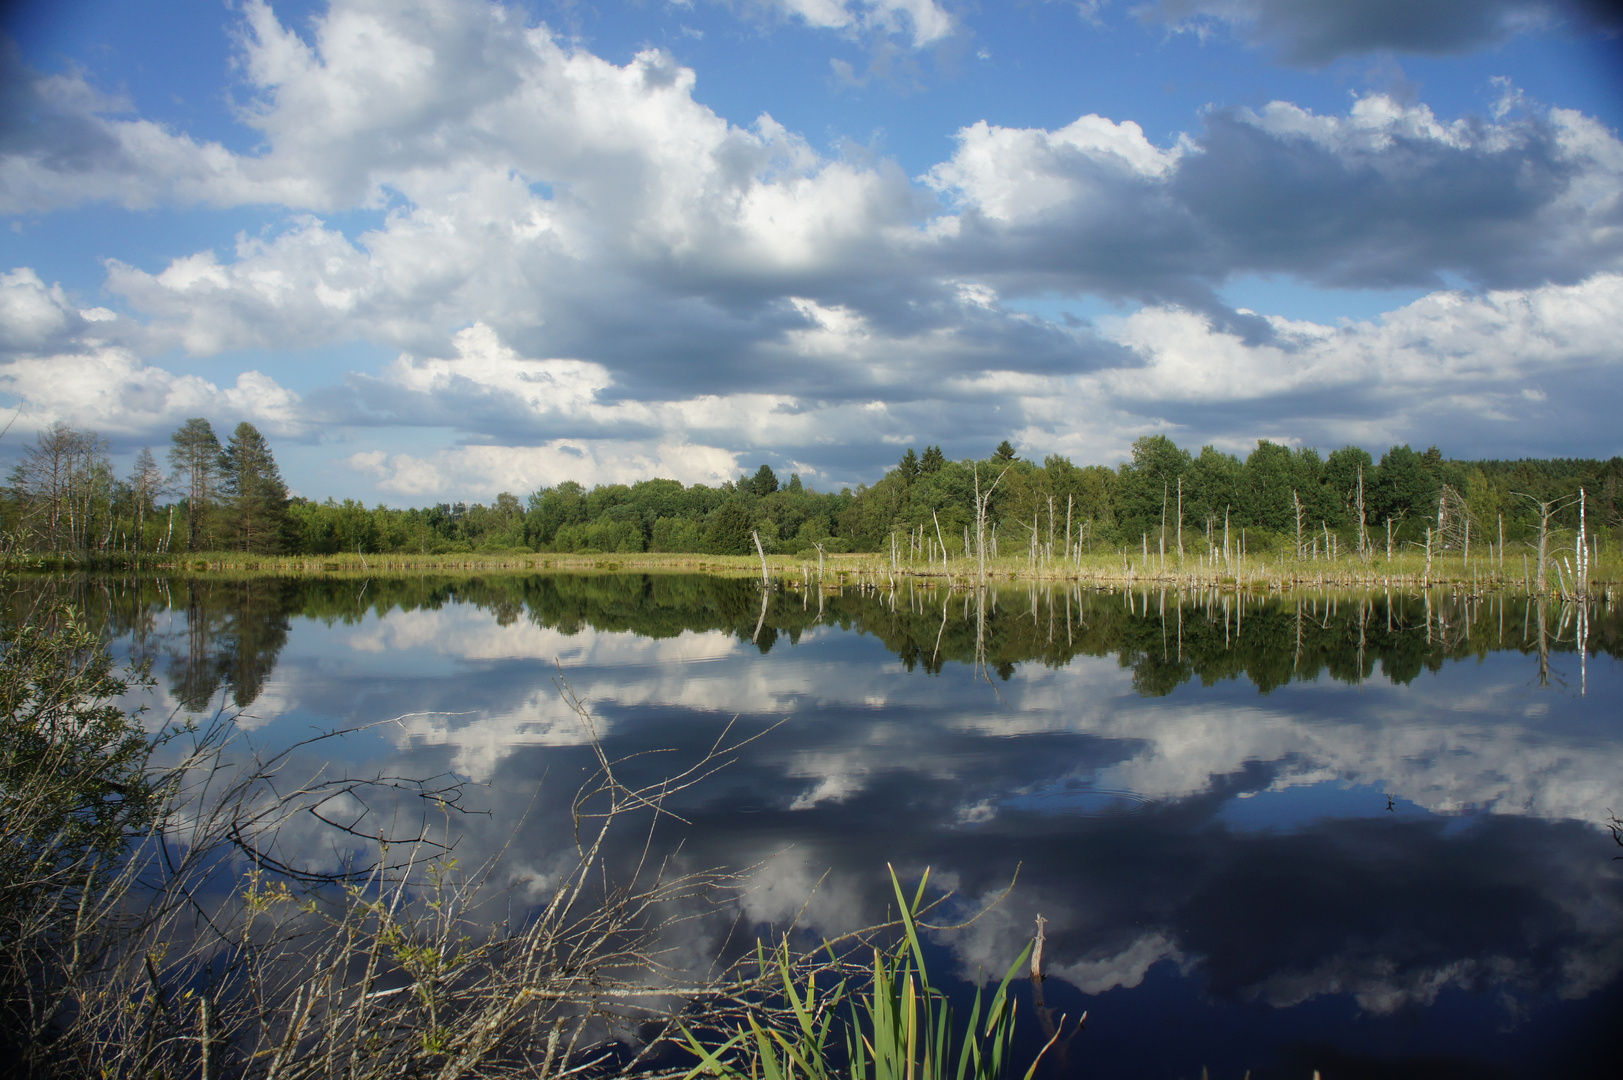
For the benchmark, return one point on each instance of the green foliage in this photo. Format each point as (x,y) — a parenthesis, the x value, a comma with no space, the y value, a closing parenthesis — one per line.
(1147,494)
(729,532)
(1267,486)
(909,466)
(72,780)
(194,455)
(765,482)
(1406,486)
(74,793)
(255,498)
(902,1028)
(604,534)
(64,499)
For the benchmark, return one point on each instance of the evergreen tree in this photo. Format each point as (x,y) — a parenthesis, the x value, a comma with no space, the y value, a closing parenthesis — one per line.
(255,497)
(195,458)
(729,531)
(932,460)
(909,465)
(1004,451)
(765,482)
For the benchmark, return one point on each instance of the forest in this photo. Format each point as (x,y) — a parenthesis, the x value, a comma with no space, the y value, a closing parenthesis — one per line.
(65,498)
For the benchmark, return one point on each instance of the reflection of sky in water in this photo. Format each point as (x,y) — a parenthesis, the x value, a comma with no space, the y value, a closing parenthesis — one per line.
(1214,855)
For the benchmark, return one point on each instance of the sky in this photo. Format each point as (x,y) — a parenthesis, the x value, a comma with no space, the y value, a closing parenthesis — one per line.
(439,249)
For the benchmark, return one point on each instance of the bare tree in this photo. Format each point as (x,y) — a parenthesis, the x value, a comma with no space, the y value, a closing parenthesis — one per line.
(1546,510)
(64,484)
(983,502)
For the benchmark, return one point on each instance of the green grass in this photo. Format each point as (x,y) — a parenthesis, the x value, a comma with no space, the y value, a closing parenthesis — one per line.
(901,1028)
(1272,570)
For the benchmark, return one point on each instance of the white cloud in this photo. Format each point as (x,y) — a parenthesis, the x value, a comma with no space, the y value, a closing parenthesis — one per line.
(482,471)
(923,21)
(66,364)
(579,258)
(1475,357)
(1016,175)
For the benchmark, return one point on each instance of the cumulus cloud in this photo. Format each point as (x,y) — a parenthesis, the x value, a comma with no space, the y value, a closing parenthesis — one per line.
(63,143)
(73,365)
(482,471)
(36,317)
(1386,195)
(1315,32)
(571,252)
(924,22)
(562,408)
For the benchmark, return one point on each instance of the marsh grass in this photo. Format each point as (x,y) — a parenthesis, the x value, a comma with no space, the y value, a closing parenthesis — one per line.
(887,1022)
(1511,570)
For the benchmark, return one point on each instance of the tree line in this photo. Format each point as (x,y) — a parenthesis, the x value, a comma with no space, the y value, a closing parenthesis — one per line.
(64,497)
(237,628)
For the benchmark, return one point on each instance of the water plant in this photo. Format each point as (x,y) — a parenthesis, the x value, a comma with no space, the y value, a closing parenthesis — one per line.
(900,1027)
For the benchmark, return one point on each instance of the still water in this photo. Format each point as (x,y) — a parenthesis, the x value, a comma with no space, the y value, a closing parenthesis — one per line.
(1359,834)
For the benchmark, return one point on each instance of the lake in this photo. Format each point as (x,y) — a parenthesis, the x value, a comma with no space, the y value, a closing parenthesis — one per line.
(1360,834)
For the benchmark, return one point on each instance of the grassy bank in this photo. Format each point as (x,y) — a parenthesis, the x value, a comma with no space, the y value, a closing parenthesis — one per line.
(1514,570)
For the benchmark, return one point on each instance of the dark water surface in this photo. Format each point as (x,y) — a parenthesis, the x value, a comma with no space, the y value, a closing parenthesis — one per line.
(1359,834)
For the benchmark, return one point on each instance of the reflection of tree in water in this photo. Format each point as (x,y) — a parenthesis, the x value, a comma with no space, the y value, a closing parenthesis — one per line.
(235,630)
(232,634)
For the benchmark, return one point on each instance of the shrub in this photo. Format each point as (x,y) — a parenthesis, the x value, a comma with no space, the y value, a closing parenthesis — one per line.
(75,790)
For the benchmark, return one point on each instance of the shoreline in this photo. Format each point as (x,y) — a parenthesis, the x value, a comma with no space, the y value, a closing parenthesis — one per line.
(1114,571)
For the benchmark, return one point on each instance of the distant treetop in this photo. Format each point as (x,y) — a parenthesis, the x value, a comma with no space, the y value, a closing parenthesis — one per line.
(909,465)
(765,481)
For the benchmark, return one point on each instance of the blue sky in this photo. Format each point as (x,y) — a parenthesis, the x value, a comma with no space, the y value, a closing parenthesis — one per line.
(440,248)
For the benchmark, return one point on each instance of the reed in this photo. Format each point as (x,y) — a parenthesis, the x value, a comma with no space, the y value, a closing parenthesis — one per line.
(1576,567)
(901,1028)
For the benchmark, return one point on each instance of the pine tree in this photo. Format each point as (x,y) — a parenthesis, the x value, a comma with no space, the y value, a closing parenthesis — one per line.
(909,465)
(729,531)
(1004,451)
(933,460)
(195,459)
(766,481)
(146,484)
(256,497)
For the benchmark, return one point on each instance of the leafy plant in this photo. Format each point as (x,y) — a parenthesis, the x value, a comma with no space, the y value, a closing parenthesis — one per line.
(75,792)
(901,1029)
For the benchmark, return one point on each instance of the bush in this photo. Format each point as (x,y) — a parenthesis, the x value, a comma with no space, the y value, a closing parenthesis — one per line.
(75,790)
